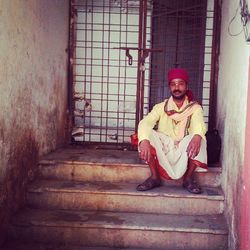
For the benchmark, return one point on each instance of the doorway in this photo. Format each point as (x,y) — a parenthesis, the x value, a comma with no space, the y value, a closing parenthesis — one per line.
(120,53)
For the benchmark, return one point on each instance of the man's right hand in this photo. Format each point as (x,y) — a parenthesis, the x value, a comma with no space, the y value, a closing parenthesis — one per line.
(144,150)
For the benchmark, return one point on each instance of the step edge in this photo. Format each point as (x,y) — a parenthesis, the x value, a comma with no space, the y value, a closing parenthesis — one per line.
(111,164)
(163,195)
(158,221)
(121,227)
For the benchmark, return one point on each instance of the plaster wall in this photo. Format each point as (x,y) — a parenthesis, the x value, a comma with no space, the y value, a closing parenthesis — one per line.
(245,192)
(231,112)
(33,91)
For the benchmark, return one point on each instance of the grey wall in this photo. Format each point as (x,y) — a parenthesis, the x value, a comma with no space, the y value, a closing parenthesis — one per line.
(33,90)
(232,101)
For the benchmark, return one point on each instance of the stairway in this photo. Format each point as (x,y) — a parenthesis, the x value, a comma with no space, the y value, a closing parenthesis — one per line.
(86,199)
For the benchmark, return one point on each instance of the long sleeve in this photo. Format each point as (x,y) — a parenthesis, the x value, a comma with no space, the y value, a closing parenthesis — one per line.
(165,123)
(148,122)
(197,124)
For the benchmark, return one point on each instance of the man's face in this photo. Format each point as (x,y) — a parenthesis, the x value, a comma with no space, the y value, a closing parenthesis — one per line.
(178,88)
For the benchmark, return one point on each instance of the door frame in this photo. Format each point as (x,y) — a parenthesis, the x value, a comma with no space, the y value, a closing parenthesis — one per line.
(215,65)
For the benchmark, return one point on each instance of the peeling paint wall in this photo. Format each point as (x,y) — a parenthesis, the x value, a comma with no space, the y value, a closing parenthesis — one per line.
(33,91)
(231,112)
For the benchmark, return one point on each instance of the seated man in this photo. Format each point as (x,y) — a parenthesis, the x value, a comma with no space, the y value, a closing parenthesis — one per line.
(178,145)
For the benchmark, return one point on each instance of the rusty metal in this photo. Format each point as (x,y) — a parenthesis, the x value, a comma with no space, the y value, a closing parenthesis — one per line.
(114,75)
(142,59)
(103,90)
(130,58)
(145,53)
(70,50)
(140,45)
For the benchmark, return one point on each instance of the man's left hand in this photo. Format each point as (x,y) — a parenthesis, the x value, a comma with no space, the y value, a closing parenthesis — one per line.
(194,145)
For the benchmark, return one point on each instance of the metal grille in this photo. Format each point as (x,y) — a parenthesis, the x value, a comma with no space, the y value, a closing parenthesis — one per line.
(209,54)
(113,46)
(105,72)
(178,27)
(185,30)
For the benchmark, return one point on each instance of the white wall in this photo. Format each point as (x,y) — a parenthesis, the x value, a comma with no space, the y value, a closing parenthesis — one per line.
(231,111)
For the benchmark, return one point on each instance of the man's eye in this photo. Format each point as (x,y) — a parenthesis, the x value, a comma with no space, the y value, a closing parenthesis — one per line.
(177,84)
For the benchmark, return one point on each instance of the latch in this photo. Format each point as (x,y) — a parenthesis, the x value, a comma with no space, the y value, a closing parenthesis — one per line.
(144,54)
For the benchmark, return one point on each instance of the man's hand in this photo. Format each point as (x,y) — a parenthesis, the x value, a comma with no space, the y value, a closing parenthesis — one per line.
(144,150)
(194,145)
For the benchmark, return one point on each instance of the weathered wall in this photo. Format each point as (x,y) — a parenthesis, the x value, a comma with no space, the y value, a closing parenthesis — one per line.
(245,185)
(232,100)
(33,90)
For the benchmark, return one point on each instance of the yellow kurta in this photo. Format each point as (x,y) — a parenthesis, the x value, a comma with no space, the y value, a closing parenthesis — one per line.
(171,156)
(167,126)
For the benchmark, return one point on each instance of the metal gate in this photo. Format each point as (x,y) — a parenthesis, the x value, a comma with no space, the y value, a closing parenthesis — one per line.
(120,51)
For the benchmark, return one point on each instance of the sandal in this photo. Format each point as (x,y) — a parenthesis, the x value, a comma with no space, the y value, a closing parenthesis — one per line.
(192,187)
(148,184)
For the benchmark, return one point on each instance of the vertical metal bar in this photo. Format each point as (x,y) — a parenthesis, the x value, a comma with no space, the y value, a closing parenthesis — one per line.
(119,73)
(91,67)
(151,58)
(144,35)
(86,68)
(125,74)
(102,81)
(107,107)
(71,43)
(202,50)
(138,91)
(176,63)
(215,64)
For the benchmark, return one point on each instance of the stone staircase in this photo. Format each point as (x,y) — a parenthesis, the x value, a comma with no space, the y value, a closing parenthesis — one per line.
(86,199)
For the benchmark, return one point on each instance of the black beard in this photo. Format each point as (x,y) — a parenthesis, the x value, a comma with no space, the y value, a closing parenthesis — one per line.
(181,97)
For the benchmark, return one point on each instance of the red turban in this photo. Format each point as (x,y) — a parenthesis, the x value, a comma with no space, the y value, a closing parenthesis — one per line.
(176,73)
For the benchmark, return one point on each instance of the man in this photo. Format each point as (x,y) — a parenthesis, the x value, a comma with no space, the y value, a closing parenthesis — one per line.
(177,147)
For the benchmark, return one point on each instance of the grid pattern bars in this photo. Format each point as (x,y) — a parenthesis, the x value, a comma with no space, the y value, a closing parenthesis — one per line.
(105,80)
(179,28)
(111,87)
(208,53)
(184,29)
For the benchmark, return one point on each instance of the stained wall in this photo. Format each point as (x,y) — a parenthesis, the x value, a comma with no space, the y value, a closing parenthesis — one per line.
(231,112)
(33,92)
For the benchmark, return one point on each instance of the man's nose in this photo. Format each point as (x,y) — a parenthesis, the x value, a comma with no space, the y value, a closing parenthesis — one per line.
(176,86)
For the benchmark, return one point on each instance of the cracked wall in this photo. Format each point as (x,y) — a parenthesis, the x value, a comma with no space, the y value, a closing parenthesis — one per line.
(33,92)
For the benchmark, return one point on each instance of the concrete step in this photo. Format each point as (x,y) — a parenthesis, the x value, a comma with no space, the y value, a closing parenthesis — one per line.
(37,246)
(108,165)
(123,197)
(116,229)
